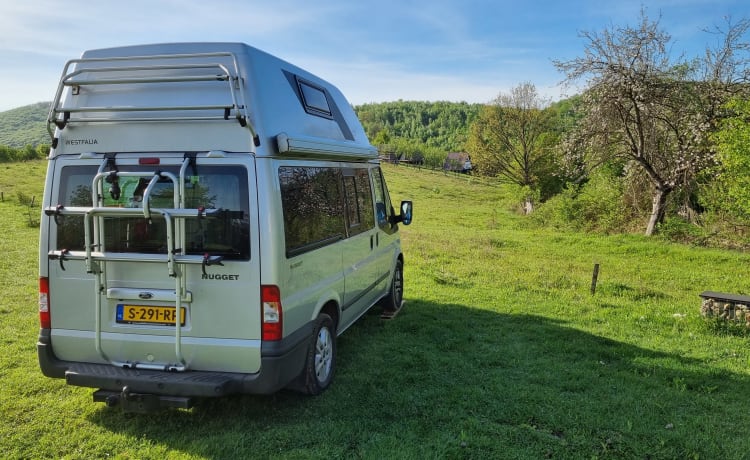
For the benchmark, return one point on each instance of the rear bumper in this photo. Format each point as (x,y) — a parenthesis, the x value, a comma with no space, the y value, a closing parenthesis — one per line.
(281,362)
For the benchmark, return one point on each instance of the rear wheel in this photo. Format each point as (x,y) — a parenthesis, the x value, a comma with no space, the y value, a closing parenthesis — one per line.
(392,301)
(321,357)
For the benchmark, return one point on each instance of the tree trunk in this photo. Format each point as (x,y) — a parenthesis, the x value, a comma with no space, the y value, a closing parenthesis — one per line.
(528,206)
(658,205)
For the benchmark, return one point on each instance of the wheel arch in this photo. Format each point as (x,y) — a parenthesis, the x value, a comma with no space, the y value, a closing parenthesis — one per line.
(399,258)
(331,308)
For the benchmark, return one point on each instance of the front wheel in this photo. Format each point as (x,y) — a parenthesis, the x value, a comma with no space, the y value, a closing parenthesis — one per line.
(321,357)
(392,301)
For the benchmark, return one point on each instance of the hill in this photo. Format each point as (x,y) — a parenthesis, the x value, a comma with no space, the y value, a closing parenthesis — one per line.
(442,125)
(24,125)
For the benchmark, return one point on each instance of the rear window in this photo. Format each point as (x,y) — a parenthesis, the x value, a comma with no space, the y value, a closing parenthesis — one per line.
(222,188)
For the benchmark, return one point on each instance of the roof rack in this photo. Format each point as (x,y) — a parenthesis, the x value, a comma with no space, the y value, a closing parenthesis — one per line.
(93,73)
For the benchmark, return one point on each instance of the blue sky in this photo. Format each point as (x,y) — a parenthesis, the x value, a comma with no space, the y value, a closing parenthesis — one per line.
(374,51)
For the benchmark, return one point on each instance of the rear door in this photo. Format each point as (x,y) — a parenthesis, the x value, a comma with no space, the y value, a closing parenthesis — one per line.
(117,304)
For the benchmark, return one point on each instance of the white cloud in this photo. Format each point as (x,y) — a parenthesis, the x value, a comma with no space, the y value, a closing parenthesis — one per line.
(374,50)
(368,81)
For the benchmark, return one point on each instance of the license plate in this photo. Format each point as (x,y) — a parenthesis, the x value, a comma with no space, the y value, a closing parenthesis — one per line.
(141,314)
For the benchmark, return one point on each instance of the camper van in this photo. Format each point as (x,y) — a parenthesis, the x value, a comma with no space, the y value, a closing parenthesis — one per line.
(214,217)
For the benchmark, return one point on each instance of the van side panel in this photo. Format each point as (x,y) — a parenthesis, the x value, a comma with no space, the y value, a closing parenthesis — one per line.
(308,271)
(331,247)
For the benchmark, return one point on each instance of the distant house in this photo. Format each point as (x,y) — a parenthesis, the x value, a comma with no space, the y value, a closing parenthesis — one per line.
(458,162)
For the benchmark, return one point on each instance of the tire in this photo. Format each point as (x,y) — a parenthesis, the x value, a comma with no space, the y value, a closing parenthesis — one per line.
(320,363)
(392,301)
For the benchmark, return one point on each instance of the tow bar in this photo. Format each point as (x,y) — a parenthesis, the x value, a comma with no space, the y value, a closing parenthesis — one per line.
(141,403)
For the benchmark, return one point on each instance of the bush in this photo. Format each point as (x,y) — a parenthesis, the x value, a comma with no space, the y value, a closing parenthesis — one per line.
(559,211)
(6,154)
(595,206)
(24,199)
(27,153)
(679,230)
(434,158)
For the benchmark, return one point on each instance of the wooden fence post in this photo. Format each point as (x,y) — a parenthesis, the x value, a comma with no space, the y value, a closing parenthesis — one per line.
(594,278)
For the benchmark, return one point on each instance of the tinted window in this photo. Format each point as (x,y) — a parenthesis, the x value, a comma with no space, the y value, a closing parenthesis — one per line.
(358,195)
(383,207)
(222,188)
(313,207)
(75,190)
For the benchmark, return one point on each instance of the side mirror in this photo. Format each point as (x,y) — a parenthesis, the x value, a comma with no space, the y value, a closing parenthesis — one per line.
(406,212)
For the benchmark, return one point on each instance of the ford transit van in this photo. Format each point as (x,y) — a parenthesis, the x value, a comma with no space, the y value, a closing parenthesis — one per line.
(214,217)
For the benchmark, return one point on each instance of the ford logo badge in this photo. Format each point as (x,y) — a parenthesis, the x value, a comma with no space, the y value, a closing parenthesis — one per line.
(145,295)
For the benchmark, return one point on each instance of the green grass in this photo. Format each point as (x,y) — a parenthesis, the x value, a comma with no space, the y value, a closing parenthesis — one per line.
(501,352)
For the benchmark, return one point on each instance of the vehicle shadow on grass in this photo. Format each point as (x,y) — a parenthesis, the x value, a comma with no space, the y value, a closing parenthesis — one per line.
(444,380)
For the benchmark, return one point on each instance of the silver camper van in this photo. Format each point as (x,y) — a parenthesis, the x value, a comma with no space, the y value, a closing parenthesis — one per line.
(214,217)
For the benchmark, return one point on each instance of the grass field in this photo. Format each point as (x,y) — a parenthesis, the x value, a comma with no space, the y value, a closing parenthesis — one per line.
(501,352)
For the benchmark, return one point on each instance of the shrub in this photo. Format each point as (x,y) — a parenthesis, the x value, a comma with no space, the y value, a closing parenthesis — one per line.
(679,230)
(595,206)
(24,199)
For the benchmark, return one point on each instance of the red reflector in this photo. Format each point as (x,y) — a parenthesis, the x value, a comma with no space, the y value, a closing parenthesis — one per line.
(44,317)
(271,314)
(148,161)
(272,331)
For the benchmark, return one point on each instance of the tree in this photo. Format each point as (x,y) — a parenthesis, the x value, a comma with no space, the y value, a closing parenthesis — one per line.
(649,109)
(512,138)
(733,145)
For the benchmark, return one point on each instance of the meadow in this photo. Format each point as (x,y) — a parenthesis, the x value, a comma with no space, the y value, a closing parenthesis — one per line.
(501,351)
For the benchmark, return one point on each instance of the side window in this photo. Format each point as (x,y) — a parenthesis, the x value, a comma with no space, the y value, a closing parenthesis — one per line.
(383,207)
(312,203)
(359,206)
(353,213)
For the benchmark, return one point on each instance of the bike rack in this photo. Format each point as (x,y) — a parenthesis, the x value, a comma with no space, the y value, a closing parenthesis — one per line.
(96,257)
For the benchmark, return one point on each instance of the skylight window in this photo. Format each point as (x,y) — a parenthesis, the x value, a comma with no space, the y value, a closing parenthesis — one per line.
(314,99)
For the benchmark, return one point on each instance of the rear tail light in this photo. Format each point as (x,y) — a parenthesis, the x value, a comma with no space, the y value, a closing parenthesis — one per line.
(272,320)
(44,318)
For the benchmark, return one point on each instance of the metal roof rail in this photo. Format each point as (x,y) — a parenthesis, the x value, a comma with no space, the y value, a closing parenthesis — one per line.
(122,71)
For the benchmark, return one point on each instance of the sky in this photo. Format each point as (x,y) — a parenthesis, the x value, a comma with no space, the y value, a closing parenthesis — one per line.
(374,51)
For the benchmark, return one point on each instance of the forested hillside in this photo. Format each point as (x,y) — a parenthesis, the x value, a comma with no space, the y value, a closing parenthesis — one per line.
(24,126)
(441,125)
(426,129)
